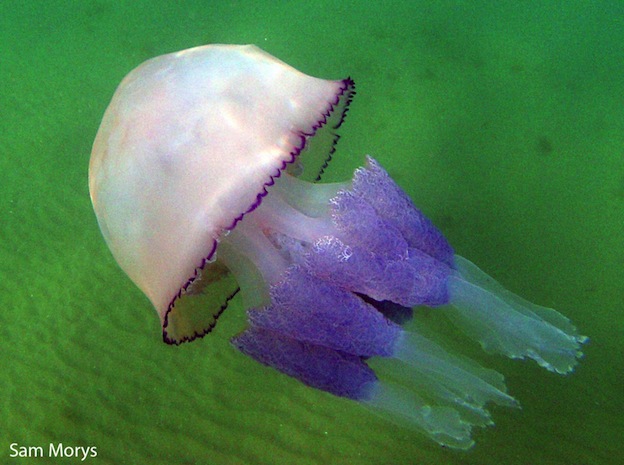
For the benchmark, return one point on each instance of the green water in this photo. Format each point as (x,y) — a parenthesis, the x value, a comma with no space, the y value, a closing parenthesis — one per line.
(506,126)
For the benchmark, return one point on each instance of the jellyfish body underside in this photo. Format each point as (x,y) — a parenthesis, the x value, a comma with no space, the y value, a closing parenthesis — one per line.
(347,271)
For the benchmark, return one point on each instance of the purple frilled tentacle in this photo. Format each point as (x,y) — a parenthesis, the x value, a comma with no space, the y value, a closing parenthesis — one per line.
(333,371)
(320,334)
(416,279)
(324,320)
(310,309)
(373,184)
(376,254)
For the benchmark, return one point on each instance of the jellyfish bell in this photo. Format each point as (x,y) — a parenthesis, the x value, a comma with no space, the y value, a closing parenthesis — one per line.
(187,146)
(201,180)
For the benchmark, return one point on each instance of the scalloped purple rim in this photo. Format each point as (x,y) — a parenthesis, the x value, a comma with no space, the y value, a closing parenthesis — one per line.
(347,91)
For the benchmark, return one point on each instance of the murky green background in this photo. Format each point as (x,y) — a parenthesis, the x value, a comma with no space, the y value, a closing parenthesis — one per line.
(504,123)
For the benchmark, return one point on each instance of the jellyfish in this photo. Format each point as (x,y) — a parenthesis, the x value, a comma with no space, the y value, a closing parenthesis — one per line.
(205,177)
